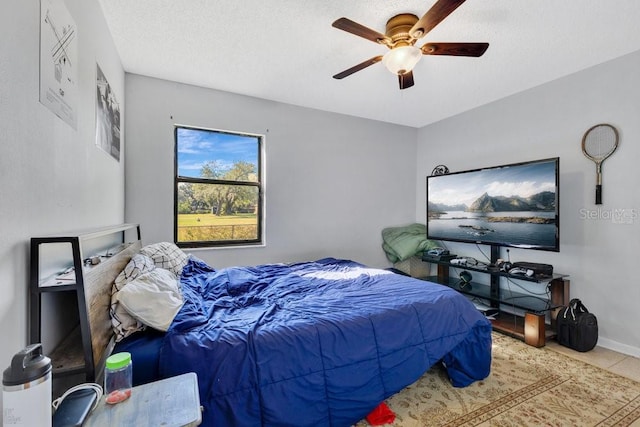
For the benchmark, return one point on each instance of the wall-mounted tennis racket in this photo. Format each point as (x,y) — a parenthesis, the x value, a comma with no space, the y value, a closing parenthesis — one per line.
(598,143)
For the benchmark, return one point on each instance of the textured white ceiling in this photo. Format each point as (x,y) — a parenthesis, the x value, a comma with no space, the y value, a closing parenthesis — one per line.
(287,50)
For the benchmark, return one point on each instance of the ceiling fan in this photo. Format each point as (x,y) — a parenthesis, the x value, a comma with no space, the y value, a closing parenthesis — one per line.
(401,34)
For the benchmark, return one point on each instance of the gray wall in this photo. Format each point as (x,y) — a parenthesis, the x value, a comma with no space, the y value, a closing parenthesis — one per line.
(548,121)
(332,182)
(54,178)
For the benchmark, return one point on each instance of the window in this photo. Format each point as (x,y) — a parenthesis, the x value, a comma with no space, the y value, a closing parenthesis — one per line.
(218,188)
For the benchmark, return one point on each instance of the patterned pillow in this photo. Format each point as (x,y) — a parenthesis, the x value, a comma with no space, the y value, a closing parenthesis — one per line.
(138,265)
(123,323)
(166,255)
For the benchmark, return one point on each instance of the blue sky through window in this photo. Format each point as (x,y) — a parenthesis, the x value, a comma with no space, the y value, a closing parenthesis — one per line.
(197,147)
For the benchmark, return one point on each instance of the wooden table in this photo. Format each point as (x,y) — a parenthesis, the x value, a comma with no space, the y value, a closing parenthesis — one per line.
(172,402)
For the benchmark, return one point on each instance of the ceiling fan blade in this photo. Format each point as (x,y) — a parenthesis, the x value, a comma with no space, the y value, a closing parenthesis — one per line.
(455,49)
(433,17)
(358,67)
(352,27)
(405,80)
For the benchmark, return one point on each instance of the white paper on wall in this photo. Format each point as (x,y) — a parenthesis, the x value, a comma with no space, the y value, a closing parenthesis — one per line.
(58,56)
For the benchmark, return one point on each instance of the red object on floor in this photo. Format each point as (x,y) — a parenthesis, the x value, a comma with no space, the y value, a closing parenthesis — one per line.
(381,415)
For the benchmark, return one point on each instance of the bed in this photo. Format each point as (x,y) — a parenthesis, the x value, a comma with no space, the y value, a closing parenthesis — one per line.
(317,343)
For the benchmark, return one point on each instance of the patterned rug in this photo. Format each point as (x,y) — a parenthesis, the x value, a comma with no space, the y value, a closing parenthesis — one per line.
(527,387)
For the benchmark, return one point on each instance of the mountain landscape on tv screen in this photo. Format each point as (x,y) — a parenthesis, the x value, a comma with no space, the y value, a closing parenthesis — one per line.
(543,201)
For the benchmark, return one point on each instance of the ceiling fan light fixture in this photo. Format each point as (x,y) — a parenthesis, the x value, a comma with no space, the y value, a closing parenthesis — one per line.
(402,59)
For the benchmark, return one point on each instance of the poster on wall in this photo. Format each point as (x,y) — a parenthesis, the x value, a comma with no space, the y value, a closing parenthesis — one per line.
(58,60)
(107,116)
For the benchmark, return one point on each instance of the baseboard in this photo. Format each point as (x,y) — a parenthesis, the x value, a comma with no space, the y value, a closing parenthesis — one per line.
(619,347)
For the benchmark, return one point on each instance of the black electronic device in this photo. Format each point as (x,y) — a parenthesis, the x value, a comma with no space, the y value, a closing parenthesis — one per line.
(488,311)
(468,207)
(519,271)
(464,261)
(544,270)
(465,280)
(74,408)
(437,252)
(438,258)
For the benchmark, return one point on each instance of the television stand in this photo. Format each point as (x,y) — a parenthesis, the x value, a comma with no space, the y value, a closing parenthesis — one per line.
(529,327)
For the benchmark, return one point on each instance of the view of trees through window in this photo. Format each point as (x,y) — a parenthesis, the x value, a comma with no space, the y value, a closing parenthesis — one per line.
(218,190)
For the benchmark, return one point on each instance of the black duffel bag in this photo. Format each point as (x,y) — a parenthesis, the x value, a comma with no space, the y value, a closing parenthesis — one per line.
(576,328)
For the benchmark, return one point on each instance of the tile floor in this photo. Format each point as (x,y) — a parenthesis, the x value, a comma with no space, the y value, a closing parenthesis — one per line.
(621,364)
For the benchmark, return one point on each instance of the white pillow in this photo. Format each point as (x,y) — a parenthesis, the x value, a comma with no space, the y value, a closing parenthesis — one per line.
(166,255)
(122,322)
(153,298)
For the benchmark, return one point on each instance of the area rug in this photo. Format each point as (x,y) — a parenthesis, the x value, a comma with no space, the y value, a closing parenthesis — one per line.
(527,387)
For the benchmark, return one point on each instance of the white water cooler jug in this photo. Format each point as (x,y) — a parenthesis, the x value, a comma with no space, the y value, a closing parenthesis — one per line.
(26,389)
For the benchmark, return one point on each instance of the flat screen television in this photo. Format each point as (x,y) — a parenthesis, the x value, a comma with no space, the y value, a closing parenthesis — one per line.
(514,205)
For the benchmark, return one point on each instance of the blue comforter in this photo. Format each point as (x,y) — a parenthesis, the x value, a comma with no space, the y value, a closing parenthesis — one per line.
(316,344)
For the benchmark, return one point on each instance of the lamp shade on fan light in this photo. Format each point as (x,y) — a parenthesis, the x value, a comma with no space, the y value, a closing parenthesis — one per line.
(402,59)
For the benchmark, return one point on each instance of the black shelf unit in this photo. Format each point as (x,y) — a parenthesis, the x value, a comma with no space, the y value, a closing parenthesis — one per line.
(483,291)
(73,355)
(531,327)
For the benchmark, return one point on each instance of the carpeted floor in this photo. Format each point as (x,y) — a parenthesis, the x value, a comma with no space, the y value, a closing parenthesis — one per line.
(527,387)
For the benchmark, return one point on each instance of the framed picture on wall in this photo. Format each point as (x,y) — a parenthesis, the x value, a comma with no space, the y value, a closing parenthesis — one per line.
(58,61)
(107,116)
